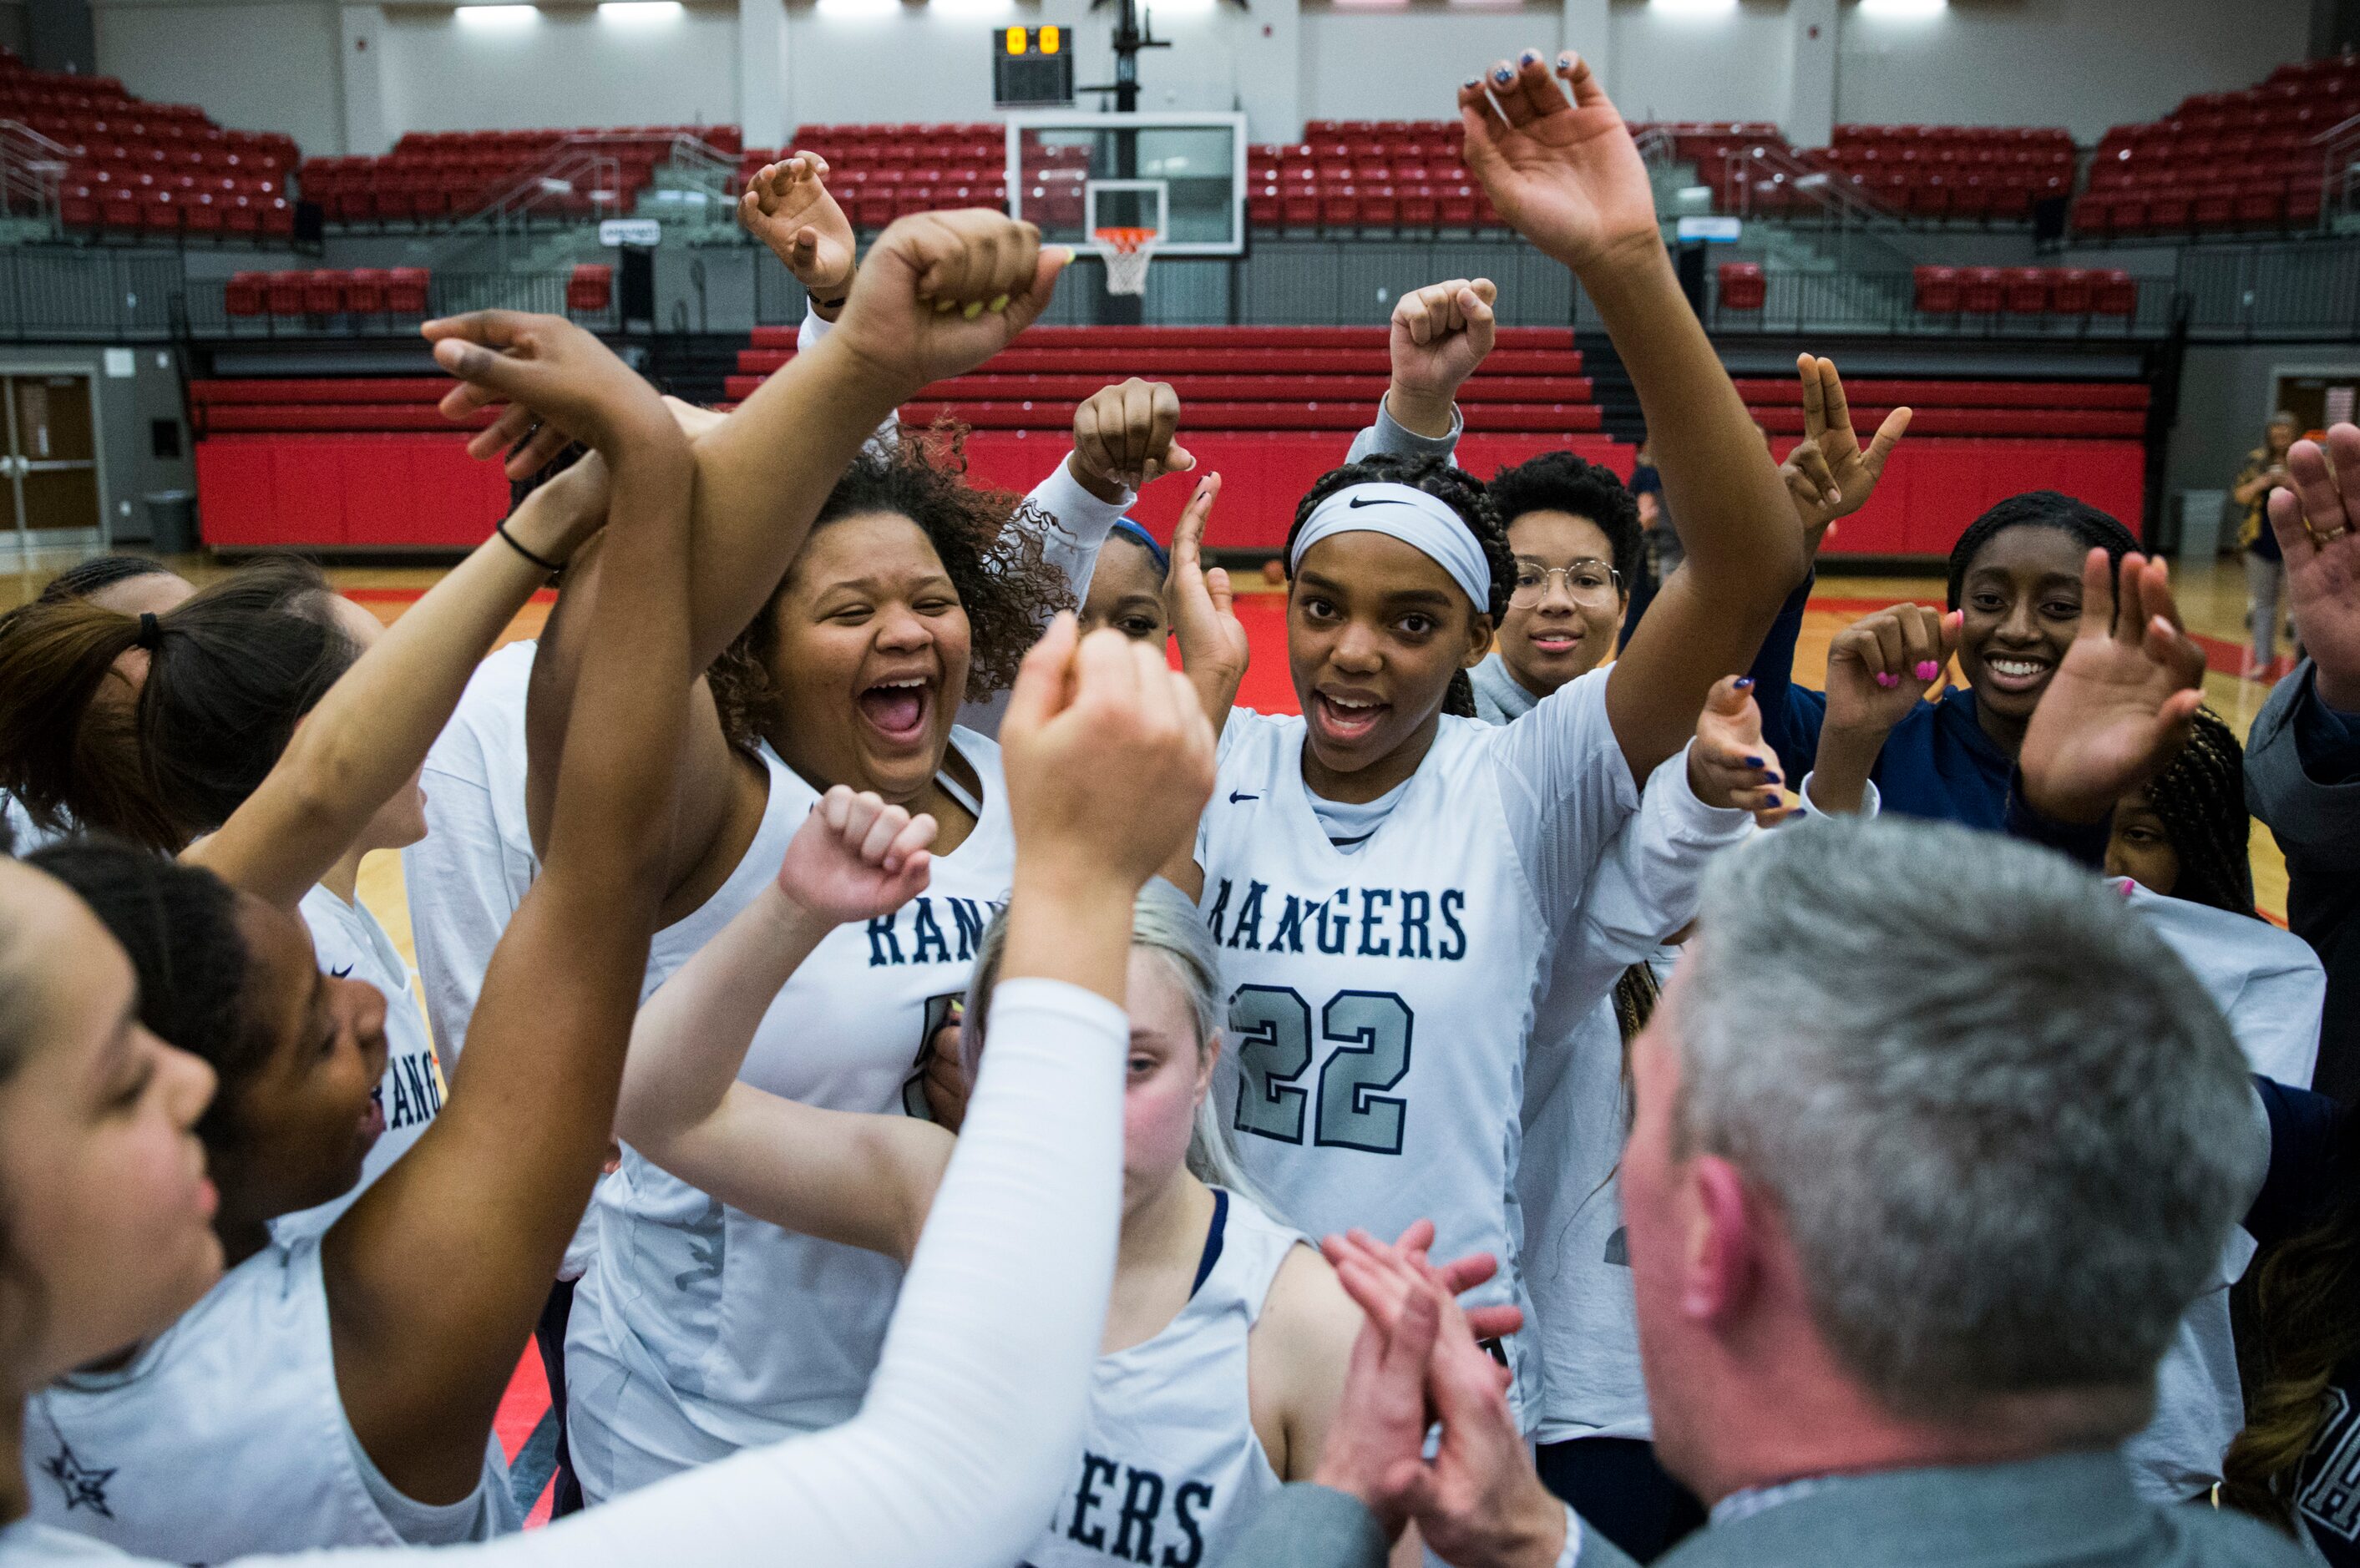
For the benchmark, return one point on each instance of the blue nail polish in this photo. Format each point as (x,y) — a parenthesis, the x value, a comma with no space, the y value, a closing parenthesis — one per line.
(1745,684)
(1472,82)
(1503,76)
(1530,57)
(1753,762)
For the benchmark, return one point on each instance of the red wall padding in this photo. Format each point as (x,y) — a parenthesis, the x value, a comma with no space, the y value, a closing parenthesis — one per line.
(354,491)
(1933,488)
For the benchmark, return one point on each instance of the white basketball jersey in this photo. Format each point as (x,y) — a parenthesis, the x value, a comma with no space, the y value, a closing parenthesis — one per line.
(226,1436)
(1577,1260)
(1380,999)
(699,1329)
(347,940)
(1170,1464)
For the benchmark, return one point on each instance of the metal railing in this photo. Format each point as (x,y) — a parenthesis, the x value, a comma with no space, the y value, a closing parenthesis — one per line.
(56,293)
(2289,291)
(32,173)
(580,179)
(2339,171)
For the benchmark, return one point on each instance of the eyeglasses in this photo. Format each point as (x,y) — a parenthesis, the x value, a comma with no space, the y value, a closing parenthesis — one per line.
(1590,582)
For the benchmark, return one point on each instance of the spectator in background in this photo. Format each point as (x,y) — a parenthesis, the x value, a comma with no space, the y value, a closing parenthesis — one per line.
(2303,756)
(2264,471)
(1659,544)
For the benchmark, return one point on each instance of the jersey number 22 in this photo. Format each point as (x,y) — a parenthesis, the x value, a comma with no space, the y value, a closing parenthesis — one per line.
(1371,1032)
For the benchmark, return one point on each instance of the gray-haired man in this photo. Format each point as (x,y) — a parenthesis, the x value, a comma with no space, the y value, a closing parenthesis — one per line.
(1934,1142)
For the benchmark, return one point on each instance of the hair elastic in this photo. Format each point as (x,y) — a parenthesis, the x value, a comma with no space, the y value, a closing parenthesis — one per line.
(151,632)
(552,566)
(1426,523)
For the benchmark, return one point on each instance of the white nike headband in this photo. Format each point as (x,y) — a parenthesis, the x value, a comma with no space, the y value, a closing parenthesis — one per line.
(1425,523)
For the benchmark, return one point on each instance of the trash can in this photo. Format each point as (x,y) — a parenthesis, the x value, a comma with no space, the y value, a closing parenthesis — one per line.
(2199,526)
(171,521)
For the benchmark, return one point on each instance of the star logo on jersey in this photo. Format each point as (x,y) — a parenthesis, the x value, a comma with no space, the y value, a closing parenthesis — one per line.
(85,1487)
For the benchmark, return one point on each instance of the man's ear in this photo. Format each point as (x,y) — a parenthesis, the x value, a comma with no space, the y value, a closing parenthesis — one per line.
(1722,1262)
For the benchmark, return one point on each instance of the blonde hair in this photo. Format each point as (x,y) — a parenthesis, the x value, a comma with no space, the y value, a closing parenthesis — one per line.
(1163,922)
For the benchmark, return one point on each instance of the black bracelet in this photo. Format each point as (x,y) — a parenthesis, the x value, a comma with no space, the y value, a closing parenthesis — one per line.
(552,566)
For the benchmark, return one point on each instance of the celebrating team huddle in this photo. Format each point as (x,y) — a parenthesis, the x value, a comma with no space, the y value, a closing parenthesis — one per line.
(921,1025)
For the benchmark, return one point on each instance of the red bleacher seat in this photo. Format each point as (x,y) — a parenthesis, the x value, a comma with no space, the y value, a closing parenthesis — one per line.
(286,293)
(591,287)
(1742,285)
(2027,291)
(1982,291)
(405,290)
(365,291)
(324,292)
(1938,290)
(247,294)
(2117,294)
(2073,292)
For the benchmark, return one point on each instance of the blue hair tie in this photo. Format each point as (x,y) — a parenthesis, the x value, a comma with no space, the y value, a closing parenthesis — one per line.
(1145,540)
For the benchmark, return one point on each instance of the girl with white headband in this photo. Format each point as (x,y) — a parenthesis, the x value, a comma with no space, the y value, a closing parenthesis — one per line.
(1390,885)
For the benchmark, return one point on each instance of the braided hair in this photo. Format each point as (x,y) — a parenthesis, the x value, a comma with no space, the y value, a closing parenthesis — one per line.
(2201,799)
(2093,528)
(1454,488)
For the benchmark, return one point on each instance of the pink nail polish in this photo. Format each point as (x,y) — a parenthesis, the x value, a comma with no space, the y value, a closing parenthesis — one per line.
(1887,680)
(1928,669)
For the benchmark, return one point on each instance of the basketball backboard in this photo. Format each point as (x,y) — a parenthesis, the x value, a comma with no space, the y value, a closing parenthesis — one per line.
(1183,176)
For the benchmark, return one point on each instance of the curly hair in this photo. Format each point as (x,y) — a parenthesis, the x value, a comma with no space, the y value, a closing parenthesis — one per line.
(2201,799)
(1560,482)
(1454,488)
(2091,527)
(989,542)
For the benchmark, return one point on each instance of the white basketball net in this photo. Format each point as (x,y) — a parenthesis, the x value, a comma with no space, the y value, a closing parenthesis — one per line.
(1127,254)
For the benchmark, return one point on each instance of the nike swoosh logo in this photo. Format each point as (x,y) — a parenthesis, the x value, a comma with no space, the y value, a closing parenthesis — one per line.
(1359,501)
(1235,797)
(343,974)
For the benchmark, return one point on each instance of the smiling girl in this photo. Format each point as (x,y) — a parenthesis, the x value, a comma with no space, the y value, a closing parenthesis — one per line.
(1391,885)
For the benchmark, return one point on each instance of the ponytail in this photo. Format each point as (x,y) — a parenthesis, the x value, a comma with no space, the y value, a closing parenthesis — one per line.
(162,745)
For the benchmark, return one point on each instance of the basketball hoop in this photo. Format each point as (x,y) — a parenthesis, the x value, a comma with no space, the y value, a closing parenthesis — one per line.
(1127,252)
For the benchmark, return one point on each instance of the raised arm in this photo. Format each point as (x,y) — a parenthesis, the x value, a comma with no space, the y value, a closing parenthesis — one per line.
(466,1231)
(1568,177)
(1438,336)
(373,729)
(863,1181)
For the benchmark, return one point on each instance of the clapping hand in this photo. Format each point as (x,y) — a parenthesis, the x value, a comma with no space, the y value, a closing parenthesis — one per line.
(1440,333)
(788,208)
(1566,176)
(1830,475)
(1124,438)
(2121,703)
(2318,528)
(854,858)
